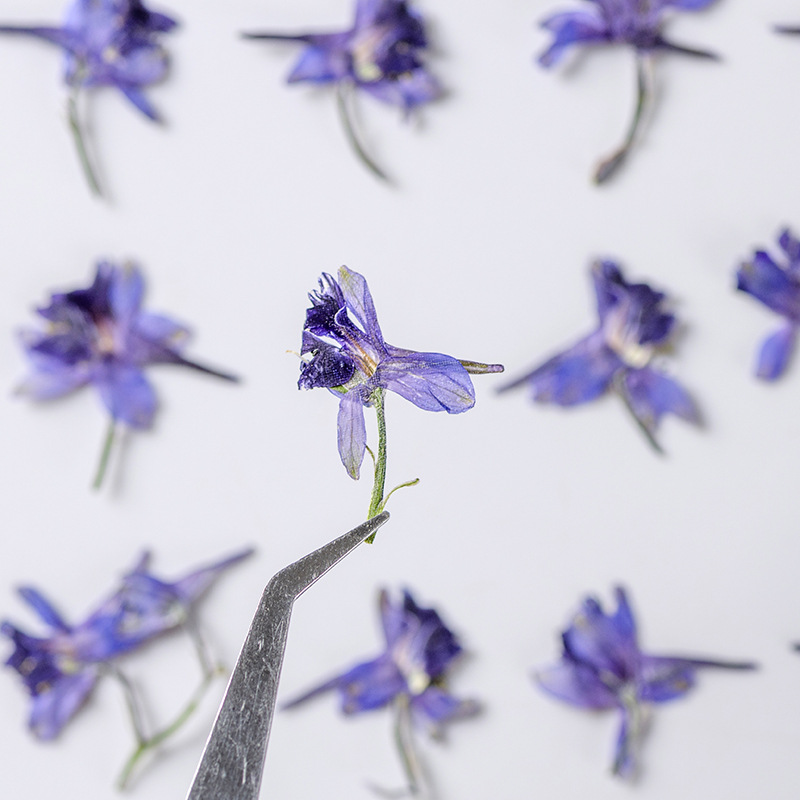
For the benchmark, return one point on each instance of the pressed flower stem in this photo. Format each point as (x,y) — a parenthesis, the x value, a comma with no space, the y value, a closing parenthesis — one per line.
(405,744)
(146,743)
(344,93)
(131,701)
(621,388)
(644,87)
(377,500)
(77,133)
(105,453)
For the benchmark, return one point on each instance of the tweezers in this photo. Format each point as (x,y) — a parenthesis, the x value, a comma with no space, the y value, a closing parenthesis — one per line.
(233,759)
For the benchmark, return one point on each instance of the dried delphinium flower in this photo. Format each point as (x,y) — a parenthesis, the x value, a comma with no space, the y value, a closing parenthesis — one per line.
(634,23)
(344,351)
(602,667)
(410,674)
(777,286)
(101,336)
(380,54)
(633,328)
(61,669)
(107,43)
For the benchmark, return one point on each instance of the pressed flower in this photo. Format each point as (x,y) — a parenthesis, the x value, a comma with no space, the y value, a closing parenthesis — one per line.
(602,667)
(634,23)
(344,351)
(107,43)
(380,54)
(633,328)
(410,673)
(101,336)
(60,670)
(777,286)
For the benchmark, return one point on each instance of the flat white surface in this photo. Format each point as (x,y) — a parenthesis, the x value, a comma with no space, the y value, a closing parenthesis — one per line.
(234,207)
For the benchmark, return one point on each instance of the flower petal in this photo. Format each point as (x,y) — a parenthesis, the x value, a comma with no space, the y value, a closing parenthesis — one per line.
(576,684)
(775,353)
(351,433)
(569,28)
(663,679)
(412,89)
(436,706)
(195,584)
(575,376)
(431,381)
(43,607)
(52,708)
(652,394)
(359,302)
(766,281)
(126,393)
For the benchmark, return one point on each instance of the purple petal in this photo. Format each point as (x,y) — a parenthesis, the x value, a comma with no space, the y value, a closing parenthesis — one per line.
(775,353)
(53,708)
(628,741)
(686,5)
(322,61)
(359,302)
(51,379)
(766,281)
(43,607)
(605,642)
(575,376)
(652,394)
(194,585)
(576,684)
(137,97)
(407,92)
(662,679)
(431,381)
(126,393)
(125,294)
(569,28)
(60,36)
(435,706)
(351,433)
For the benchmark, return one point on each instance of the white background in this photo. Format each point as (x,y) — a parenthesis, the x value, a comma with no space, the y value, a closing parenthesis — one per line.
(234,207)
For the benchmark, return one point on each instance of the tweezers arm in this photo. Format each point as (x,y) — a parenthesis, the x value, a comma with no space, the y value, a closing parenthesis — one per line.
(233,761)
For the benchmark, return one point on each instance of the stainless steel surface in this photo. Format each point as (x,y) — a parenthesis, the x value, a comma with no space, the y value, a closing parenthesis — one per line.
(233,760)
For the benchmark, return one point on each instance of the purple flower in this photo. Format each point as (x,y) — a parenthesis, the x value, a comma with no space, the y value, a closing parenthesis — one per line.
(101,336)
(637,23)
(777,286)
(602,667)
(413,666)
(345,352)
(107,43)
(633,22)
(61,669)
(633,327)
(379,54)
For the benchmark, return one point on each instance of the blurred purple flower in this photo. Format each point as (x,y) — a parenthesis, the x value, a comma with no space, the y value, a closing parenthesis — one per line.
(637,23)
(379,54)
(777,286)
(633,22)
(633,327)
(109,43)
(602,667)
(419,651)
(101,336)
(359,364)
(61,669)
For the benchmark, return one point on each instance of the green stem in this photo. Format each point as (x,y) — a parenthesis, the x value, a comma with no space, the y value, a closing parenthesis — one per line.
(621,389)
(644,86)
(343,95)
(377,501)
(77,134)
(105,453)
(405,744)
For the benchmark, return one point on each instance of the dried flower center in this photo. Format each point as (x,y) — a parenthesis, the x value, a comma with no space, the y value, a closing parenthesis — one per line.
(622,331)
